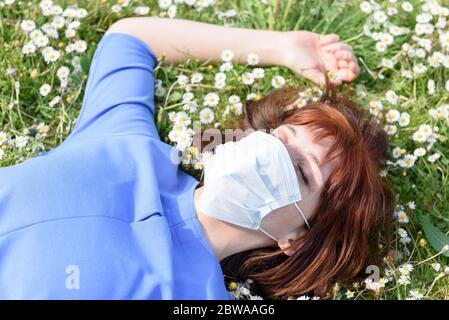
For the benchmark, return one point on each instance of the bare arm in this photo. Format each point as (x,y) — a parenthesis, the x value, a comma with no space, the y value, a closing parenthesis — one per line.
(306,53)
(175,37)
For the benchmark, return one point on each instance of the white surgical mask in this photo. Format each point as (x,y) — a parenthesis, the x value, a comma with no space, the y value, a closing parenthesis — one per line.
(246,180)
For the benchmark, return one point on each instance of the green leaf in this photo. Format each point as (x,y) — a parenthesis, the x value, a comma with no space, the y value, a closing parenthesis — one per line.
(86,59)
(436,238)
(175,96)
(85,63)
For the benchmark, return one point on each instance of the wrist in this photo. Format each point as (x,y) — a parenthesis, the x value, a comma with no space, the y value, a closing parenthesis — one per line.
(283,46)
(272,47)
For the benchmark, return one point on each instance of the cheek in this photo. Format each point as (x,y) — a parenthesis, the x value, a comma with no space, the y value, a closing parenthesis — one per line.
(310,203)
(284,219)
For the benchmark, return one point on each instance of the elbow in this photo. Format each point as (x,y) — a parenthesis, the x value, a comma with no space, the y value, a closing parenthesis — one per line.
(130,25)
(121,25)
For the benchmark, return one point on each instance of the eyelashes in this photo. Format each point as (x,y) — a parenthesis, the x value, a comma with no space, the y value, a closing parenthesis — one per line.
(297,165)
(302,173)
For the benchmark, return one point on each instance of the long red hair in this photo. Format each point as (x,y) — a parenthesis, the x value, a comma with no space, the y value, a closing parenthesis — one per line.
(356,203)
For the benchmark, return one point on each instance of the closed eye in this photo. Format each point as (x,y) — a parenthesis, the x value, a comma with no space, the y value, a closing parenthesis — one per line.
(302,174)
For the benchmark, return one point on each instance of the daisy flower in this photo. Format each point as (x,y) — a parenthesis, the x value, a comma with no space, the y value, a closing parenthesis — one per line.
(253,59)
(70,33)
(51,55)
(227,66)
(45,89)
(142,10)
(278,81)
(408,161)
(404,119)
(419,68)
(407,6)
(190,106)
(431,86)
(62,72)
(391,97)
(234,99)
(418,136)
(3,137)
(375,107)
(28,48)
(28,25)
(54,101)
(171,12)
(258,73)
(434,157)
(80,46)
(426,129)
(41,41)
(220,76)
(227,55)
(182,118)
(390,129)
(415,295)
(402,217)
(211,99)
(380,16)
(196,77)
(381,46)
(397,152)
(58,22)
(248,78)
(206,115)
(392,115)
(21,141)
(419,152)
(366,7)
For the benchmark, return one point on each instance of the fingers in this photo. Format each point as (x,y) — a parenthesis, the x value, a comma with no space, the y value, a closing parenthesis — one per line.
(344,55)
(315,75)
(334,47)
(342,64)
(346,75)
(354,67)
(349,71)
(348,61)
(327,39)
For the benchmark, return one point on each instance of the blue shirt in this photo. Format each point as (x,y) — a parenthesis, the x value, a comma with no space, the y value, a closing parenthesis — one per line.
(106,214)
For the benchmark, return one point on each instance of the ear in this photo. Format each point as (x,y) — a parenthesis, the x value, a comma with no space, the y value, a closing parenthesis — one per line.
(285,242)
(284,245)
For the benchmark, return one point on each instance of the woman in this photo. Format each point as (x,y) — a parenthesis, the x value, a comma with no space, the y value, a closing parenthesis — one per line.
(344,205)
(108,215)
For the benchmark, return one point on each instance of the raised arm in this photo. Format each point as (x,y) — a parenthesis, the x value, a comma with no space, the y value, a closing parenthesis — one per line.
(308,54)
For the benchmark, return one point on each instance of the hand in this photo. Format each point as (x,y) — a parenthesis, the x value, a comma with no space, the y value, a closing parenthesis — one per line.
(311,55)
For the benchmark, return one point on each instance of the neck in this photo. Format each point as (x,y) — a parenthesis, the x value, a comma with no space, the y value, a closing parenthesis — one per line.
(227,239)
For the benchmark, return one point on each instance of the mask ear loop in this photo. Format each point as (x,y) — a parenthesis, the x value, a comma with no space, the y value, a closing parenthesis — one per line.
(303,216)
(272,237)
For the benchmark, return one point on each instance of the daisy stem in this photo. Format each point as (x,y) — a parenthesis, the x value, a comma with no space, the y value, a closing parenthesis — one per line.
(433,283)
(367,69)
(361,34)
(432,257)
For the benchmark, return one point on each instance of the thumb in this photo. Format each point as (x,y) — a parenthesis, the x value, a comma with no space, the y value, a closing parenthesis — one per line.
(315,75)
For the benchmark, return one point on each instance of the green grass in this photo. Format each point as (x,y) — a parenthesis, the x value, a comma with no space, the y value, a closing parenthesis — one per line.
(426,183)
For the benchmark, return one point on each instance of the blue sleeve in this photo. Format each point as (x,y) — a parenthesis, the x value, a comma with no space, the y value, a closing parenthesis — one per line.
(119,94)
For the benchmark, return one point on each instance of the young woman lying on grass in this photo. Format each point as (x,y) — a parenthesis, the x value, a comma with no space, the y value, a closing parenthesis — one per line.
(108,214)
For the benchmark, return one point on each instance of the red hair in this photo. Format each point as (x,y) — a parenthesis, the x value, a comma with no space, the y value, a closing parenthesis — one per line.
(356,204)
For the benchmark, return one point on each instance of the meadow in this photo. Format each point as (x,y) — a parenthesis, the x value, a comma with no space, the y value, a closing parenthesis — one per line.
(402,48)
